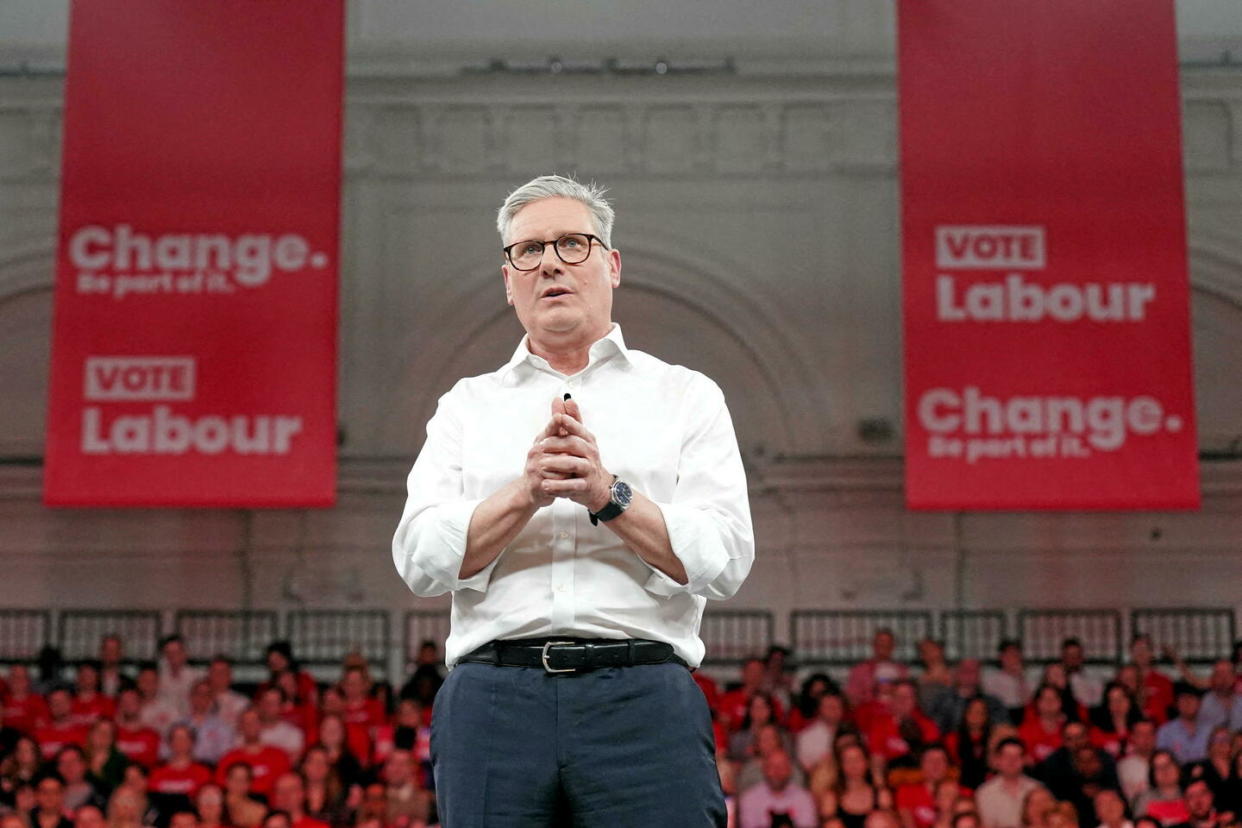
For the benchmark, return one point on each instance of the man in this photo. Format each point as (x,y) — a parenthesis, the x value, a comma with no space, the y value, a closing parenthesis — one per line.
(769,739)
(229,704)
(1184,736)
(894,725)
(1075,764)
(967,684)
(63,728)
(1000,798)
(1110,809)
(275,731)
(1087,689)
(863,677)
(815,740)
(778,796)
(1221,705)
(610,531)
(734,703)
(88,816)
(289,795)
(266,763)
(1200,804)
(77,789)
(1134,769)
(405,799)
(49,810)
(112,677)
(1156,688)
(157,712)
(176,674)
(213,736)
(134,738)
(1010,683)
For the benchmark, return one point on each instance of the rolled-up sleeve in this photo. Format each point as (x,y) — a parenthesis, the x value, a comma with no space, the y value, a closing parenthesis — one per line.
(430,542)
(708,517)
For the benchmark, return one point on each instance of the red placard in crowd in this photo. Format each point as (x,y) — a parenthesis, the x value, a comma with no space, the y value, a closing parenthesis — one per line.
(194,343)
(1047,336)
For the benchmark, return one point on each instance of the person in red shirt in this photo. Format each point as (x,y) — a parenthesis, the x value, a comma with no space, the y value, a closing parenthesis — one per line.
(289,795)
(266,762)
(897,727)
(138,742)
(865,677)
(361,712)
(88,703)
(917,803)
(280,660)
(298,710)
(180,774)
(1041,728)
(1112,720)
(735,703)
(1156,688)
(24,709)
(62,729)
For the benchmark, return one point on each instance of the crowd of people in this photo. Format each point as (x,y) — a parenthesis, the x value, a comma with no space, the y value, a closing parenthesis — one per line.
(938,745)
(972,746)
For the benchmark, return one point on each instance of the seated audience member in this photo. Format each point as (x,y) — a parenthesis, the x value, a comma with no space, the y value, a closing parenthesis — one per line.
(24,709)
(280,660)
(406,799)
(1009,683)
(1110,810)
(77,787)
(1000,799)
(181,775)
(289,796)
(273,729)
(1055,675)
(155,711)
(89,816)
(373,811)
(49,810)
(864,677)
(1134,768)
(968,744)
(1184,736)
(183,819)
(1063,815)
(1222,703)
(770,738)
(1156,688)
(228,703)
(137,741)
(1215,767)
(326,799)
(209,805)
(1086,688)
(758,713)
(1045,719)
(734,703)
(777,795)
(856,791)
(112,676)
(778,677)
(1200,810)
(1036,806)
(62,728)
(135,782)
(266,762)
(950,705)
(917,803)
(89,704)
(105,764)
(21,766)
(243,809)
(1112,720)
(1163,798)
(213,737)
(805,706)
(176,676)
(935,678)
(1076,763)
(897,728)
(814,742)
(361,713)
(333,739)
(407,732)
(299,711)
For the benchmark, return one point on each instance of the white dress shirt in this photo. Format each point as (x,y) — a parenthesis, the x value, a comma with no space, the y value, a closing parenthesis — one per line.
(661,428)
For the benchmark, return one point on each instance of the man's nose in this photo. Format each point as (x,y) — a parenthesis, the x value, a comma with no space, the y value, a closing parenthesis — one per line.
(550,263)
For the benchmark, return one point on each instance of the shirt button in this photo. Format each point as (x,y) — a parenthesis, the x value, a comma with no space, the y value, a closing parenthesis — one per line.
(564,535)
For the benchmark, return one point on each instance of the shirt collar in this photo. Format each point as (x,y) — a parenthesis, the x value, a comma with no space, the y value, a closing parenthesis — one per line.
(612,343)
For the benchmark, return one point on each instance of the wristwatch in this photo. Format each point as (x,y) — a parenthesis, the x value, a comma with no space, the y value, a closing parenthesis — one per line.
(622,494)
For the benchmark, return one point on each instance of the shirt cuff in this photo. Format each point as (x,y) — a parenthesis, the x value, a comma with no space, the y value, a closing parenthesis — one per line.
(442,551)
(694,538)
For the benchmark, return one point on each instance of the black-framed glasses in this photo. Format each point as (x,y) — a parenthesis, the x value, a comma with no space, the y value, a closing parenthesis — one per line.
(571,248)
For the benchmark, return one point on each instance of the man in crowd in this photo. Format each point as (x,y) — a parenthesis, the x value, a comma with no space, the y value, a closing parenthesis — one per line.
(596,545)
(157,712)
(1086,688)
(863,677)
(138,741)
(1222,704)
(275,731)
(1000,798)
(289,795)
(176,675)
(1200,804)
(229,704)
(406,800)
(1134,769)
(267,763)
(815,740)
(1184,736)
(213,736)
(112,677)
(948,707)
(777,795)
(62,729)
(1156,689)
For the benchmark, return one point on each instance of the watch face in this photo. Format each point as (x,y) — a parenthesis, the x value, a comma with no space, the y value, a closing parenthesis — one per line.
(622,493)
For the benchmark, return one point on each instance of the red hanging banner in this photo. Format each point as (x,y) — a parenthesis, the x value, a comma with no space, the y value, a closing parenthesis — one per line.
(194,342)
(1046,303)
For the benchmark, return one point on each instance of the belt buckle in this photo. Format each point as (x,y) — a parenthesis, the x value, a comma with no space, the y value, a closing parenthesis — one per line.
(543,656)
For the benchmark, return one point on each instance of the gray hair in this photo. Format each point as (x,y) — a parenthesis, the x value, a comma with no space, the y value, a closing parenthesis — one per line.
(553,186)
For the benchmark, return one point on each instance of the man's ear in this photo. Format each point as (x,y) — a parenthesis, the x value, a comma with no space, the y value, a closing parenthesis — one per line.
(504,272)
(614,266)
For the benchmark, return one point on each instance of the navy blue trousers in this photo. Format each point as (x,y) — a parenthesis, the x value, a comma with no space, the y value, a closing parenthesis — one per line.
(615,747)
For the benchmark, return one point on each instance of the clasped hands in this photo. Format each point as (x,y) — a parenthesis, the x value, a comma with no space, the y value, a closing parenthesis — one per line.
(564,462)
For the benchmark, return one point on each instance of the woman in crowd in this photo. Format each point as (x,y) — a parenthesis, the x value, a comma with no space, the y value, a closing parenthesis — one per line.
(968,745)
(20,766)
(1041,729)
(759,712)
(1163,800)
(918,803)
(856,791)
(1035,807)
(105,764)
(180,775)
(806,706)
(127,808)
(209,805)
(333,737)
(243,810)
(327,800)
(1112,720)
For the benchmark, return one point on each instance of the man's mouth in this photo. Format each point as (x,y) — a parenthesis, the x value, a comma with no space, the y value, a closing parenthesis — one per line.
(553,292)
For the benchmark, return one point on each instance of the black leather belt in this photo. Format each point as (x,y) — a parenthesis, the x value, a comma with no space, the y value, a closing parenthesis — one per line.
(573,655)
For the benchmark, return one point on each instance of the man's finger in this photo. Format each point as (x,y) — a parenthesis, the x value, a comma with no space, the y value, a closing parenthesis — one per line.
(575,428)
(571,408)
(566,445)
